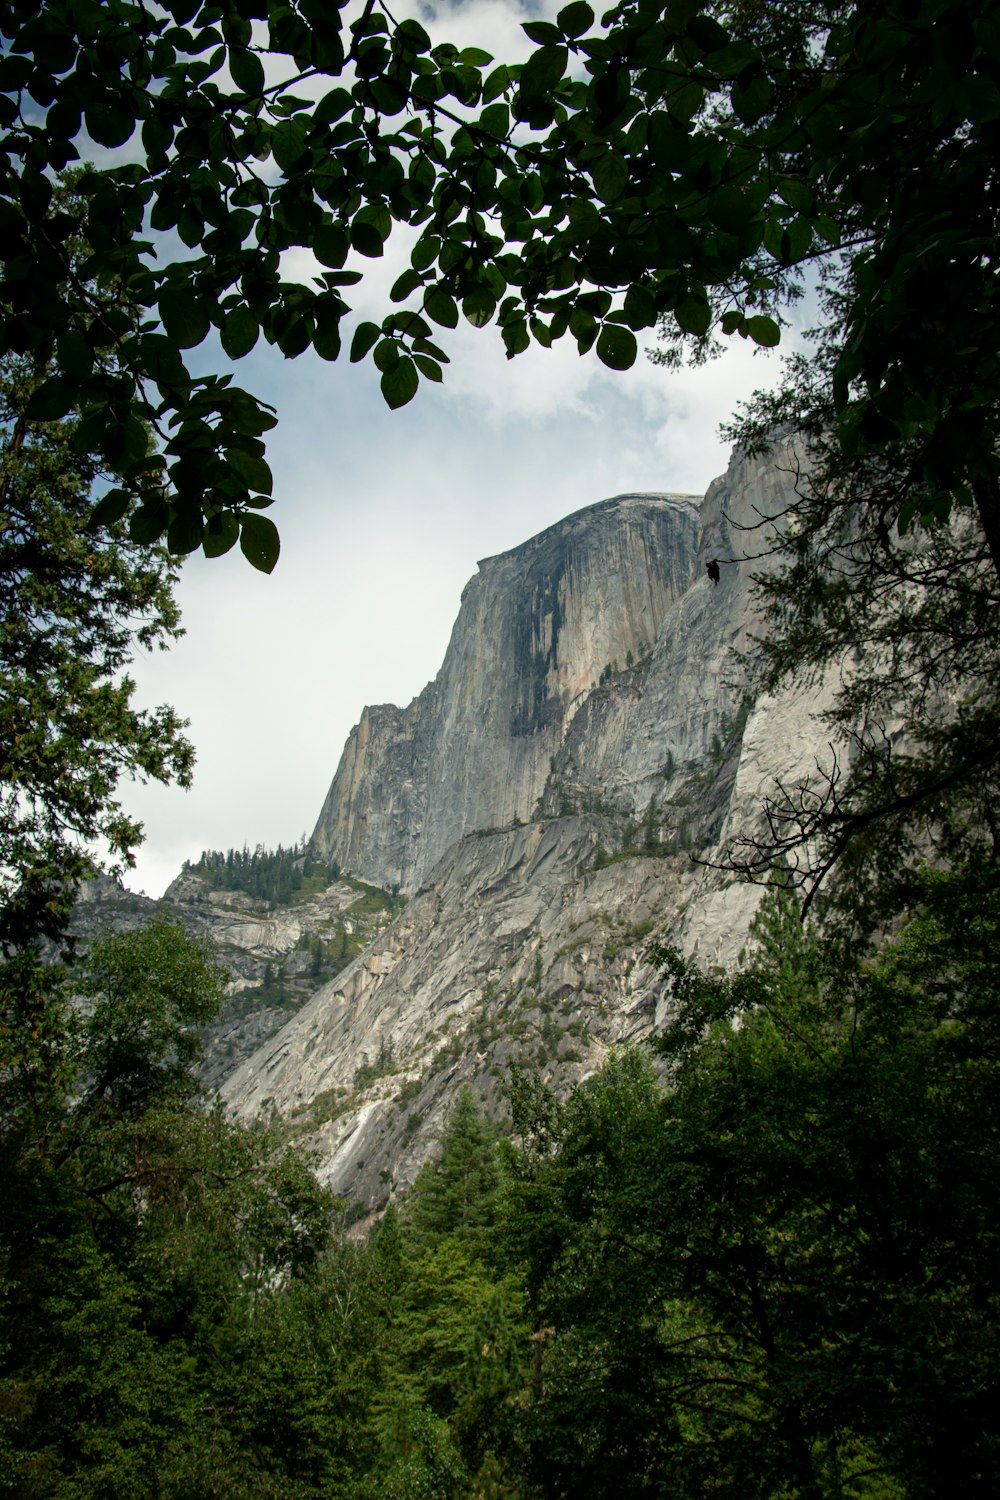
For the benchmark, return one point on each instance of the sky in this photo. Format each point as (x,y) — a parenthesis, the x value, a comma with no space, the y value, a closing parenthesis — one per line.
(383,517)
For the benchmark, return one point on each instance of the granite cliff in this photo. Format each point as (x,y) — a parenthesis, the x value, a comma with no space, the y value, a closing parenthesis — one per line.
(536,630)
(540,802)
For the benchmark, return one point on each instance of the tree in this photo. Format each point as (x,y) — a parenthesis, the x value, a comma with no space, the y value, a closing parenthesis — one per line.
(457,1337)
(454,1194)
(771,1270)
(676,160)
(74,603)
(172,1266)
(148,992)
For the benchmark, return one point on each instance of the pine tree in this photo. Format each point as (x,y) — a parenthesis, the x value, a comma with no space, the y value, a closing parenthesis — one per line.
(455,1194)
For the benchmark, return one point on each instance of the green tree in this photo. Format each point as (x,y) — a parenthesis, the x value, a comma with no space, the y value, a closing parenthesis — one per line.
(148,992)
(773,1270)
(457,1339)
(454,1194)
(192,1328)
(74,604)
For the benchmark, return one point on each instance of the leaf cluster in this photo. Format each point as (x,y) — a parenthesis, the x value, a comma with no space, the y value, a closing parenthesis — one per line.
(673,161)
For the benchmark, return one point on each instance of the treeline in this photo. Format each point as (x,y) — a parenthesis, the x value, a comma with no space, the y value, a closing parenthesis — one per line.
(273,875)
(758,1259)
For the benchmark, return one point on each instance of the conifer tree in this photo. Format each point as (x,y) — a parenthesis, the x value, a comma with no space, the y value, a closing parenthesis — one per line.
(455,1194)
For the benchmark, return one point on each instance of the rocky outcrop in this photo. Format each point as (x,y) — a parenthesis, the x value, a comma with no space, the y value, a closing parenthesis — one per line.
(536,630)
(274,956)
(588,734)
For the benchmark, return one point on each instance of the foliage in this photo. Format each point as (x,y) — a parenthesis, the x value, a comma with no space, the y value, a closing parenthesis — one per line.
(274,875)
(764,1264)
(454,1193)
(901,630)
(73,606)
(160,1257)
(145,992)
(672,161)
(775,1273)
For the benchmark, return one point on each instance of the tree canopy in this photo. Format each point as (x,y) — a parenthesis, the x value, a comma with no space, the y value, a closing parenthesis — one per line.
(672,160)
(74,605)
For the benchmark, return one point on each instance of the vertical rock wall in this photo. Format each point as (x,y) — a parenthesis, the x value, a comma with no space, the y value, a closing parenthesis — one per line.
(537,628)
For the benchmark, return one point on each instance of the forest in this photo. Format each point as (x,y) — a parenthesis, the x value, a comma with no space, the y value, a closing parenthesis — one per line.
(757,1256)
(273,875)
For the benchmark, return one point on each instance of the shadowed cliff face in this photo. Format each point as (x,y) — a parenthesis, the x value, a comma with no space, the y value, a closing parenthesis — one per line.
(537,628)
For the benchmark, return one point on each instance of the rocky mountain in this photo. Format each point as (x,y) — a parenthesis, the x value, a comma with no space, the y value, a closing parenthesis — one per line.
(540,803)
(538,629)
(275,954)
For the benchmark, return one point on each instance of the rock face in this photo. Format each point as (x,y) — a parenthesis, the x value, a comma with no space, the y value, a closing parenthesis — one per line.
(275,956)
(536,629)
(542,798)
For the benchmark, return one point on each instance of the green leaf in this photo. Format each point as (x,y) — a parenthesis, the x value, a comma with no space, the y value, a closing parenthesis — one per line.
(610,177)
(425,252)
(327,342)
(496,84)
(108,124)
(788,243)
(640,308)
(239,332)
(185,533)
(543,71)
(251,468)
(496,120)
(109,510)
(693,313)
(148,523)
(541,32)
(330,245)
(617,347)
(479,306)
(386,356)
(532,192)
(729,210)
(573,20)
(764,331)
(685,102)
(399,385)
(288,145)
(428,367)
(707,33)
(259,542)
(221,533)
(183,315)
(442,308)
(405,284)
(366,239)
(247,71)
(751,97)
(796,194)
(51,401)
(415,36)
(366,335)
(475,57)
(334,105)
